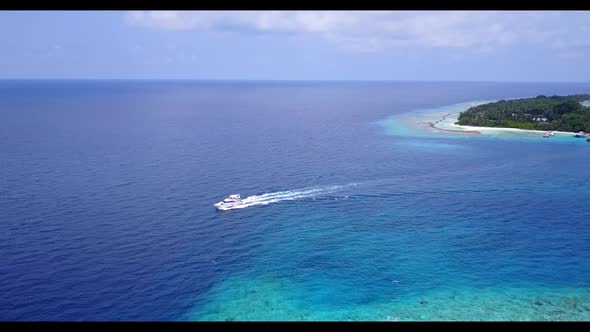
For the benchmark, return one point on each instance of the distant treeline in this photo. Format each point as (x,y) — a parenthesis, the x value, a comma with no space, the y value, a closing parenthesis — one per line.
(563,113)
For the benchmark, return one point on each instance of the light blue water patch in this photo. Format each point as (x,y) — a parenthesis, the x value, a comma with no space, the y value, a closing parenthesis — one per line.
(431,146)
(416,123)
(392,125)
(494,304)
(270,299)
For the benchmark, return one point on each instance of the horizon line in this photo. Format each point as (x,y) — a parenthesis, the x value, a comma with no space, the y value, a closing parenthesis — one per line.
(278,80)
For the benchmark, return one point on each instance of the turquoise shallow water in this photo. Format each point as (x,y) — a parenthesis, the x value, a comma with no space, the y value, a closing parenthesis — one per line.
(274,300)
(357,210)
(453,255)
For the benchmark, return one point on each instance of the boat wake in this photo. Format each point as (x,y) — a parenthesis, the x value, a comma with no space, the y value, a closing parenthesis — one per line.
(269,198)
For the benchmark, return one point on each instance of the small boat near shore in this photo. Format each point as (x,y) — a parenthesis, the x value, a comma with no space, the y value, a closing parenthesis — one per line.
(580,135)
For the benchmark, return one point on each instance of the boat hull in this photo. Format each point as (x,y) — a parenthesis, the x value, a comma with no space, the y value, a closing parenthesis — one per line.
(227,206)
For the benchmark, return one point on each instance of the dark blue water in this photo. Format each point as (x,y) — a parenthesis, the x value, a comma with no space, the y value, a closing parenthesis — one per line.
(106,194)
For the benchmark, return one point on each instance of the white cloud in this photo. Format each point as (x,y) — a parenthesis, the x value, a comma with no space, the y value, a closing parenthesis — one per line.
(160,19)
(372,31)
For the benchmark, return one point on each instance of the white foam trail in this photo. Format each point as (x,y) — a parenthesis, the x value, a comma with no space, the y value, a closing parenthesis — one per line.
(289,195)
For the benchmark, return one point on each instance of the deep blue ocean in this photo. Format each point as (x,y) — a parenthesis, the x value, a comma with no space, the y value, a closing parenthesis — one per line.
(106,193)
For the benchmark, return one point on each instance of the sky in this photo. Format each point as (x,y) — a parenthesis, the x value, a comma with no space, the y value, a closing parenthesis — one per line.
(297,45)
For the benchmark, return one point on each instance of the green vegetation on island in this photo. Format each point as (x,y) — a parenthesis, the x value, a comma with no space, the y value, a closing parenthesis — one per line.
(559,113)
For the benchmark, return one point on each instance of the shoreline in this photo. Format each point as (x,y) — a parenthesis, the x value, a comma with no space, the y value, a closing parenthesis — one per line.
(476,129)
(433,125)
(513,129)
(453,130)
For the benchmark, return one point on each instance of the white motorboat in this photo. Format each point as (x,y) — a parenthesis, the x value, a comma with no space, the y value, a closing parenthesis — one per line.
(229,202)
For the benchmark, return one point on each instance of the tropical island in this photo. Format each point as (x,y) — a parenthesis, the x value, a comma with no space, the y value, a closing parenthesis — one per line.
(554,113)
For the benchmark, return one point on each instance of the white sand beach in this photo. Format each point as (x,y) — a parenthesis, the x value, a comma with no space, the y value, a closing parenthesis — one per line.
(448,123)
(509,129)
